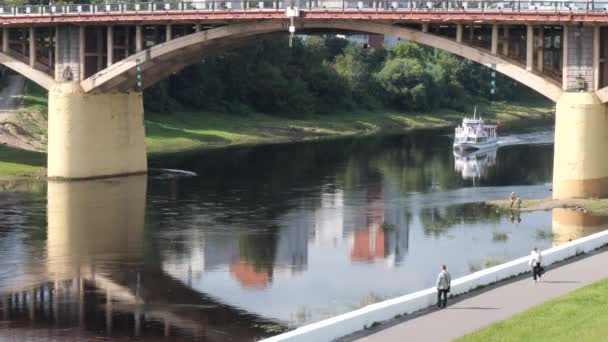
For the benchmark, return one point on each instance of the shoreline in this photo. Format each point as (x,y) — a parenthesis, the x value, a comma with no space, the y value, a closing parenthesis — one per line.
(594,206)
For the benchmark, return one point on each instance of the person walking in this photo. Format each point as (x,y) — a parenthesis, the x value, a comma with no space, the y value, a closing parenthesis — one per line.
(444,282)
(512,199)
(535,262)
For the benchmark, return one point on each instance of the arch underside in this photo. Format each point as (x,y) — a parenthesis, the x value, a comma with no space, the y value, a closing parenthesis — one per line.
(40,77)
(167,58)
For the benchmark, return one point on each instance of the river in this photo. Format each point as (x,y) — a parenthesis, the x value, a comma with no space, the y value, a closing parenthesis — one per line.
(242,243)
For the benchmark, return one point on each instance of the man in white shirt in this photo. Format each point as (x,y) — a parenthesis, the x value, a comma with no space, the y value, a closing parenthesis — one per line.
(535,262)
(444,282)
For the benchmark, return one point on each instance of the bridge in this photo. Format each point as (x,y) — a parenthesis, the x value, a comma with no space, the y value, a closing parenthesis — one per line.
(95,60)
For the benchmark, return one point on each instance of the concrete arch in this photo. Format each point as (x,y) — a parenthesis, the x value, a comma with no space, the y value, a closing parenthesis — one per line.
(42,79)
(164,59)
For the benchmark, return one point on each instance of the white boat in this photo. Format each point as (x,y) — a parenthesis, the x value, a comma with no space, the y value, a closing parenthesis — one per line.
(475,134)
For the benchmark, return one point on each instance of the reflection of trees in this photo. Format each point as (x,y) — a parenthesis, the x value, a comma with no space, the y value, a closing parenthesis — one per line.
(259,250)
(436,221)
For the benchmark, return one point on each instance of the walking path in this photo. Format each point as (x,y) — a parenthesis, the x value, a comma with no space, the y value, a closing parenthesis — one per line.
(497,304)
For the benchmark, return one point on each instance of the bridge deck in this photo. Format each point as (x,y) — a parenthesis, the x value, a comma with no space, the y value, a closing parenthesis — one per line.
(413,15)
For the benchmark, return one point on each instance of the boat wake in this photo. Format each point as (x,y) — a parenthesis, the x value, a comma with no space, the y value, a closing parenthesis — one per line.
(530,138)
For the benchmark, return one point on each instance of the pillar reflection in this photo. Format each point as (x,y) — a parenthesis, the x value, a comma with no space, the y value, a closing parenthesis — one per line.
(569,224)
(94,221)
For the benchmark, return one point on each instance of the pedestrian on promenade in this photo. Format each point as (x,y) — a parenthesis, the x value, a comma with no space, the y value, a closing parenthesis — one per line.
(535,262)
(444,282)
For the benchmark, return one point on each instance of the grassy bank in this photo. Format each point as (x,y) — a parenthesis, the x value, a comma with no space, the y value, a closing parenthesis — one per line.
(193,130)
(189,130)
(14,162)
(578,316)
(598,206)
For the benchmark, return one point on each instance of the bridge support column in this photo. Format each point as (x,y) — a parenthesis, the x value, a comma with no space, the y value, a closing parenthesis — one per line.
(5,38)
(541,48)
(580,166)
(94,135)
(505,40)
(494,48)
(139,44)
(529,48)
(32,47)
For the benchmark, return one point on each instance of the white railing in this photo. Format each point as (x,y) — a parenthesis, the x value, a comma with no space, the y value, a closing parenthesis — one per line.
(577,6)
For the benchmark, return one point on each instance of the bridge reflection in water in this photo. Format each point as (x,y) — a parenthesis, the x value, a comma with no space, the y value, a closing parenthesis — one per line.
(94,279)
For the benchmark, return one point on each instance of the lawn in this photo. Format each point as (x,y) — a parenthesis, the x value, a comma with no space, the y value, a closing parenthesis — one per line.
(15,162)
(579,316)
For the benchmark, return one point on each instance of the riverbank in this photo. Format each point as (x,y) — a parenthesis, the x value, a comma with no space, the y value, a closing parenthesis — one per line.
(169,133)
(181,131)
(597,206)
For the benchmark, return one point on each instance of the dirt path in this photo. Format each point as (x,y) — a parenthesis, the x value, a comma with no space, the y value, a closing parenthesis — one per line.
(10,96)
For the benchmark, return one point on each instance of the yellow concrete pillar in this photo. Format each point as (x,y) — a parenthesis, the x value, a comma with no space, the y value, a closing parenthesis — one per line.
(92,220)
(580,166)
(94,135)
(569,224)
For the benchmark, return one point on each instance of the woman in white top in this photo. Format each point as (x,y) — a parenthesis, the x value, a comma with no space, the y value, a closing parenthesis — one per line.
(535,262)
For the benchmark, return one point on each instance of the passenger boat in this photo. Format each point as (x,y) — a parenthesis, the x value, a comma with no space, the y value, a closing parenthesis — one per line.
(475,134)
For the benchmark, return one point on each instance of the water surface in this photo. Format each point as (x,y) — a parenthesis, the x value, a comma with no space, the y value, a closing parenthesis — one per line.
(265,238)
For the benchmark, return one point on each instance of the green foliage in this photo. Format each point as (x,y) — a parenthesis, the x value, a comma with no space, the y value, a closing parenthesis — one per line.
(322,74)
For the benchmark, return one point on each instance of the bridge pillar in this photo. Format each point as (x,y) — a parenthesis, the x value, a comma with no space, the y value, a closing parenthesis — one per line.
(580,166)
(94,135)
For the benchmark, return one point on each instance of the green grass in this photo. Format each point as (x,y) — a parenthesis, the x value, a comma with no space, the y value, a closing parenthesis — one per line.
(578,316)
(14,162)
(499,236)
(492,262)
(35,99)
(166,133)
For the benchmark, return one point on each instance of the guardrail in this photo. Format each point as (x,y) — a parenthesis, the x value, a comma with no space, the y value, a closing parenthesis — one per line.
(582,6)
(348,323)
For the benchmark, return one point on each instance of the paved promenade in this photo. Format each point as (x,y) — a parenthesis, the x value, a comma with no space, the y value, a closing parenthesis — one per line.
(474,312)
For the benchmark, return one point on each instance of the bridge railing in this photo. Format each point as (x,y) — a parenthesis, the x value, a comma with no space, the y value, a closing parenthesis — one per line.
(585,6)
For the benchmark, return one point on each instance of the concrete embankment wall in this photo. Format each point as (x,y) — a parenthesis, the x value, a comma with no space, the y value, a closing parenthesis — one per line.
(354,321)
